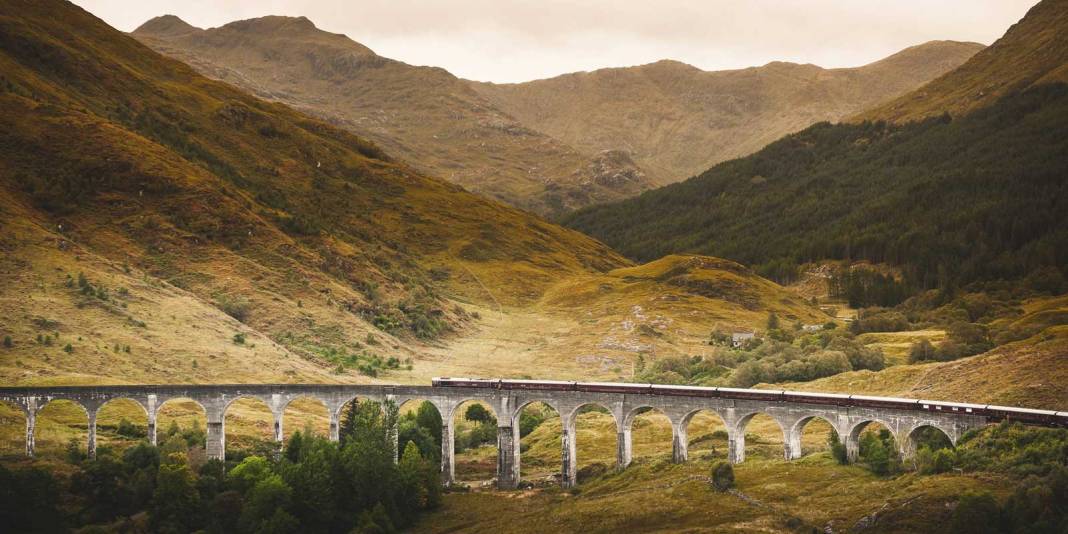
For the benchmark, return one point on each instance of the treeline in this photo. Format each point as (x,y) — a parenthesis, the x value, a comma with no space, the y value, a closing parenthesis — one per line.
(950,201)
(780,354)
(311,485)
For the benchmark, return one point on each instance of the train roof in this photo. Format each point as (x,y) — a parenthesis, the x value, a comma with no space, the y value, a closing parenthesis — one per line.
(899,400)
(749,390)
(1021,410)
(683,388)
(817,395)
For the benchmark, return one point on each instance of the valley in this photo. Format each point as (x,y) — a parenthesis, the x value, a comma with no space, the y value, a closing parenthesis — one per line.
(268,202)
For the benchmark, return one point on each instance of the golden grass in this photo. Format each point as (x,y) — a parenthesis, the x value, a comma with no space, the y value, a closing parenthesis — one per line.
(662,497)
(895,345)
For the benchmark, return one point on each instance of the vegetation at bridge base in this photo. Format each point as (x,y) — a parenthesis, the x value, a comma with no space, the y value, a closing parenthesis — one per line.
(313,485)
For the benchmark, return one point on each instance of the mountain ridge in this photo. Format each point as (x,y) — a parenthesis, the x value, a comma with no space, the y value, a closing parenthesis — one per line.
(1033,51)
(677,120)
(424,115)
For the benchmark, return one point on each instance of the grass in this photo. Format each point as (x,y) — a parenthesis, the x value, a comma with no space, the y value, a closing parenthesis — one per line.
(895,345)
(657,496)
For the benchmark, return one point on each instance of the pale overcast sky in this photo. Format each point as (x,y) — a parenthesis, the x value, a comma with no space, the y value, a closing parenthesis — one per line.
(518,40)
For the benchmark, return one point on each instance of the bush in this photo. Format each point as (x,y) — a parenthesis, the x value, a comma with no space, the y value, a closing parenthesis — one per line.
(722,476)
(239,338)
(8,343)
(236,307)
(129,430)
(976,513)
(838,449)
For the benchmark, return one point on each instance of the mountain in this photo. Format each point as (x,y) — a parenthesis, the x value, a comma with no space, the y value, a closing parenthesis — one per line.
(977,198)
(676,120)
(142,203)
(423,115)
(160,226)
(1032,52)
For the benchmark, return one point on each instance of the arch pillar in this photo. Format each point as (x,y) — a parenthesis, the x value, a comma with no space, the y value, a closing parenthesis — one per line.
(507,452)
(735,446)
(448,444)
(151,412)
(679,444)
(735,436)
(568,453)
(91,446)
(31,424)
(624,451)
(215,443)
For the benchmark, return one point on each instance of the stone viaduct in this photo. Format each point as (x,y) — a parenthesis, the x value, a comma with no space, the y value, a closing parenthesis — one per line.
(507,404)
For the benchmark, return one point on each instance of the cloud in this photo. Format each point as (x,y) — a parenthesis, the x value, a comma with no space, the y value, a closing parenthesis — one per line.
(517,40)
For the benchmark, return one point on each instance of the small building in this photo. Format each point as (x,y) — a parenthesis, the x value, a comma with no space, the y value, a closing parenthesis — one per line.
(812,327)
(739,338)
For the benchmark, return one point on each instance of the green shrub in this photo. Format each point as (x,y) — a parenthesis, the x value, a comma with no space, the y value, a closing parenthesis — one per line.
(722,476)
(8,343)
(976,513)
(239,338)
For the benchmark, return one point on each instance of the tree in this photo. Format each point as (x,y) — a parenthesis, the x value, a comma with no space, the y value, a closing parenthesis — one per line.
(773,322)
(477,412)
(976,513)
(28,500)
(429,418)
(265,507)
(921,351)
(176,502)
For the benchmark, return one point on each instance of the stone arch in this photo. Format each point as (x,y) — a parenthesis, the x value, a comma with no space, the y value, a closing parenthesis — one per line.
(53,431)
(187,414)
(737,433)
(686,442)
(14,425)
(303,415)
(108,421)
(417,402)
(647,447)
(351,399)
(569,440)
(910,441)
(852,442)
(794,447)
(518,437)
(265,422)
(470,436)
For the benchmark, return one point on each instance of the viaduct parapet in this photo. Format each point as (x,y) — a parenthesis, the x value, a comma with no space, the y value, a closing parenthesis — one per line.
(791,417)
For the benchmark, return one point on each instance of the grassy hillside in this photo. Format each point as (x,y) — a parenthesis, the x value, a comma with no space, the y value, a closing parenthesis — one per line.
(676,120)
(1032,52)
(948,201)
(297,229)
(423,115)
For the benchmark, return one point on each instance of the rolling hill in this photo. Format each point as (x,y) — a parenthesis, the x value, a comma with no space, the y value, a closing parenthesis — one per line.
(950,200)
(168,227)
(423,115)
(676,120)
(151,185)
(1032,52)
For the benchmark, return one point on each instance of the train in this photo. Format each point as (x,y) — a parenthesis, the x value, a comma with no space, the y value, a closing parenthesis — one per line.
(992,412)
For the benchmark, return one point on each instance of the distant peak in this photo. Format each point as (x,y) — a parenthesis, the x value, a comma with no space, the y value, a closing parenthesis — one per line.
(274,23)
(166,26)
